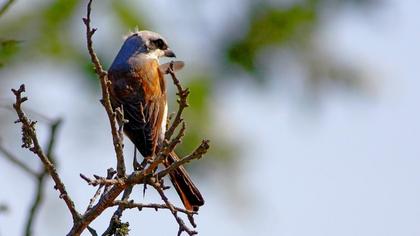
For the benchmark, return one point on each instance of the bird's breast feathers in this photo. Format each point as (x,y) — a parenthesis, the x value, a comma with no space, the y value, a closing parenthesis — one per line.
(150,78)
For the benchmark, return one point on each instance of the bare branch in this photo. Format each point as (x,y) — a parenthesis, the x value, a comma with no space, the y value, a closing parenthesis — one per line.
(182,226)
(178,138)
(102,181)
(106,201)
(6,6)
(38,198)
(140,206)
(41,179)
(52,140)
(103,77)
(182,101)
(110,173)
(89,33)
(115,221)
(95,196)
(30,140)
(197,154)
(92,231)
(90,215)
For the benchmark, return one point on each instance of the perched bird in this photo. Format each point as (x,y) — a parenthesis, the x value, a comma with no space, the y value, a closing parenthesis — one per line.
(138,86)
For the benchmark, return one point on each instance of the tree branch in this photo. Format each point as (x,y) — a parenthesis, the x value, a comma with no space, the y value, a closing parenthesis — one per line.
(106,201)
(41,179)
(40,186)
(30,140)
(177,140)
(182,226)
(182,101)
(110,173)
(197,154)
(103,77)
(140,206)
(102,181)
(6,6)
(115,221)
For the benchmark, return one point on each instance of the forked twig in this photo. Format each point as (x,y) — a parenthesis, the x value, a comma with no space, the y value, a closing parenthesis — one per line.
(30,141)
(182,226)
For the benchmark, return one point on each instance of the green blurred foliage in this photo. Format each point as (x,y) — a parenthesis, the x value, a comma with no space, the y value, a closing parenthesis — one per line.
(128,16)
(45,31)
(8,49)
(197,113)
(199,121)
(292,27)
(56,17)
(271,26)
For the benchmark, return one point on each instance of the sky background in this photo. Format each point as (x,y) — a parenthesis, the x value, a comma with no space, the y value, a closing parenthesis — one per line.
(341,163)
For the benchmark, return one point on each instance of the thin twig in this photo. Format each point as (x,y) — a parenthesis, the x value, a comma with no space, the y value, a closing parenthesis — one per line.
(108,196)
(106,201)
(103,77)
(137,177)
(110,173)
(115,221)
(197,154)
(140,206)
(182,226)
(38,198)
(41,179)
(182,101)
(5,6)
(166,148)
(177,140)
(95,196)
(30,140)
(102,181)
(92,231)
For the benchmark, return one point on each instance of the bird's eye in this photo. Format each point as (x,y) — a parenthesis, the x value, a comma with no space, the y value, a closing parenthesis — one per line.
(160,44)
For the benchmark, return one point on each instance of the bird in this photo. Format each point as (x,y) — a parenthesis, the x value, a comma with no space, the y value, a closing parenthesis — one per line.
(138,85)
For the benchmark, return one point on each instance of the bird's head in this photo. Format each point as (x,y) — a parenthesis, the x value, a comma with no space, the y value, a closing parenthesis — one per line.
(142,45)
(148,43)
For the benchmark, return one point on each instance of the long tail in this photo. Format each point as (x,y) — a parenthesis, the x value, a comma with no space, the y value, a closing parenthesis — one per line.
(188,192)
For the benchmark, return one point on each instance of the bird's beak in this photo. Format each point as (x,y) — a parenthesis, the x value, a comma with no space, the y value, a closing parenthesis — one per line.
(169,53)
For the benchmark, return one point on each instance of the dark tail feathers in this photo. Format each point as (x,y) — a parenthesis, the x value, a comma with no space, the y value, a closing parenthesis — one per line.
(188,192)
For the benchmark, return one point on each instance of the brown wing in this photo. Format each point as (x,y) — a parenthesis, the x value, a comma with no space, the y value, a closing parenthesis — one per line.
(143,97)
